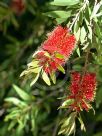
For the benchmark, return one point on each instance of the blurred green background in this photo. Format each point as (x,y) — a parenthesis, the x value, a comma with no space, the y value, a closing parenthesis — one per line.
(20,35)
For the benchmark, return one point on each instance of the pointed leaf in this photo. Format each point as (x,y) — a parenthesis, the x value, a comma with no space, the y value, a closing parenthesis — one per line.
(53,77)
(58,14)
(15,101)
(35,79)
(83,35)
(33,64)
(60,68)
(46,78)
(58,55)
(82,124)
(78,51)
(22,93)
(65,2)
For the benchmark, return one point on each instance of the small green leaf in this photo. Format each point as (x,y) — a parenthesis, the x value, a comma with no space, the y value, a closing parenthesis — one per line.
(53,77)
(80,19)
(82,123)
(77,34)
(58,55)
(83,35)
(95,10)
(22,93)
(46,78)
(58,14)
(25,72)
(76,27)
(15,101)
(87,13)
(35,79)
(68,125)
(67,103)
(65,2)
(72,129)
(33,64)
(78,51)
(12,124)
(90,33)
(97,29)
(60,68)
(36,70)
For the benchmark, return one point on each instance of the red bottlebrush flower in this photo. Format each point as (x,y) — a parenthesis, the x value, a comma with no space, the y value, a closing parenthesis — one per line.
(61,41)
(53,53)
(82,90)
(18,6)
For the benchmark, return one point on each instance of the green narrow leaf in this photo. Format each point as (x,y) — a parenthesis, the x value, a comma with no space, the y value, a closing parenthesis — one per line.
(68,125)
(95,10)
(82,123)
(60,68)
(78,51)
(12,124)
(22,93)
(77,34)
(67,102)
(53,77)
(97,29)
(72,129)
(87,13)
(58,55)
(82,35)
(36,70)
(15,101)
(35,79)
(34,63)
(80,19)
(58,14)
(46,78)
(90,33)
(65,2)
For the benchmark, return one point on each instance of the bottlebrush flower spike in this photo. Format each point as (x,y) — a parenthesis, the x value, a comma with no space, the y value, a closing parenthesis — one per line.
(82,90)
(61,41)
(53,53)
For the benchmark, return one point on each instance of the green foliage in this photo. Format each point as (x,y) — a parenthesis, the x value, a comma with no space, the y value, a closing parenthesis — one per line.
(65,2)
(68,126)
(33,110)
(46,78)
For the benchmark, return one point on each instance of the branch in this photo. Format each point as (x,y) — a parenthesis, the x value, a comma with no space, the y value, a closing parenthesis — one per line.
(86,2)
